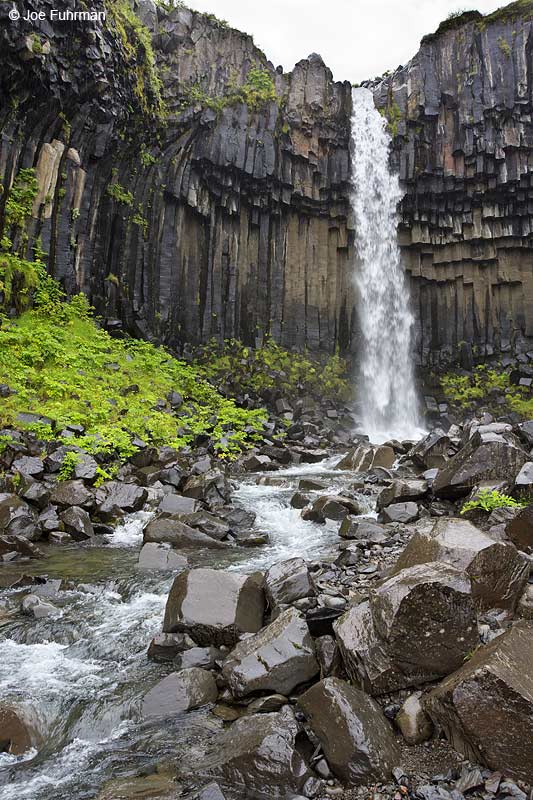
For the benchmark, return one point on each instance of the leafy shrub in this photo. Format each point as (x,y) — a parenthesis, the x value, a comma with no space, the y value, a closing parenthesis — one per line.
(271,367)
(119,193)
(488,500)
(464,390)
(68,465)
(61,365)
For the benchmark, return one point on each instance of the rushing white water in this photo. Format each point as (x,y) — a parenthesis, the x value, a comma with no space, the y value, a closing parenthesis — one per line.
(386,384)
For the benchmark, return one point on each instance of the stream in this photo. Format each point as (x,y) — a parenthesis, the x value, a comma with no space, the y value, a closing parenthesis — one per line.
(85,672)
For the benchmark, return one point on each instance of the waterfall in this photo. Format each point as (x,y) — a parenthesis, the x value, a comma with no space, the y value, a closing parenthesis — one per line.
(386,386)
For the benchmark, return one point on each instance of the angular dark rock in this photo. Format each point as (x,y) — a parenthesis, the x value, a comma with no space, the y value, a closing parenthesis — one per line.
(178,534)
(72,493)
(287,581)
(77,523)
(486,456)
(401,491)
(119,498)
(256,756)
(364,457)
(277,659)
(399,512)
(497,571)
(17,518)
(432,450)
(486,707)
(179,692)
(356,738)
(363,529)
(161,557)
(213,606)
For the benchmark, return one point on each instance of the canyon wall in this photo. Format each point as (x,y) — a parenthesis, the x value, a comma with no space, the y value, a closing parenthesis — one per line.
(461,112)
(216,219)
(222,219)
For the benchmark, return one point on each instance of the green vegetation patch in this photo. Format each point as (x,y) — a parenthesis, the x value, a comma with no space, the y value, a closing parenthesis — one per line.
(62,366)
(139,55)
(467,391)
(255,92)
(488,500)
(271,367)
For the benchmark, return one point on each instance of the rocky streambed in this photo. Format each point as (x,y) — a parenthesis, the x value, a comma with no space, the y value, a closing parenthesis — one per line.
(325,628)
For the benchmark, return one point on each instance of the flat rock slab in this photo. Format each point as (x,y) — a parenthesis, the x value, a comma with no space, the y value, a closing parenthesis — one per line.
(401,491)
(399,512)
(179,692)
(277,659)
(178,534)
(161,557)
(356,738)
(497,571)
(255,757)
(486,707)
(214,607)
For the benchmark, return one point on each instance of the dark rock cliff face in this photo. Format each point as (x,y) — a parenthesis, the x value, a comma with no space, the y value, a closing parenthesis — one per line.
(220,221)
(462,112)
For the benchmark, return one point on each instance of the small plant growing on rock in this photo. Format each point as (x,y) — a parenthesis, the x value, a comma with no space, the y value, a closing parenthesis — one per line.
(488,500)
(68,465)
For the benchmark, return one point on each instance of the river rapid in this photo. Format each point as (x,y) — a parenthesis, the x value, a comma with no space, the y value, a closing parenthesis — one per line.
(85,671)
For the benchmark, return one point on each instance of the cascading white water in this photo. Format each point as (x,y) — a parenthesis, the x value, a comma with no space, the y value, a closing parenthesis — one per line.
(386,386)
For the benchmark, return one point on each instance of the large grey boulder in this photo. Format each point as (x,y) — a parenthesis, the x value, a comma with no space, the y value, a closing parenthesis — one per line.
(16,517)
(486,707)
(179,692)
(178,534)
(364,457)
(116,498)
(431,451)
(399,512)
(78,523)
(486,456)
(401,491)
(520,529)
(356,738)
(255,757)
(418,626)
(287,581)
(213,606)
(363,530)
(278,658)
(72,493)
(497,571)
(161,557)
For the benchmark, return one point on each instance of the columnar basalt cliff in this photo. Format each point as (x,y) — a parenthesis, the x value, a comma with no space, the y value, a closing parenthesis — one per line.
(218,218)
(462,114)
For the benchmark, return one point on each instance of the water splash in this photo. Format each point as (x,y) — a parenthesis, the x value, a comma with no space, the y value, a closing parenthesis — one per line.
(386,384)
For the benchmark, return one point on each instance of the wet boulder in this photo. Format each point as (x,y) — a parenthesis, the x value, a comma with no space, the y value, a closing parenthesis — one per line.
(20,729)
(210,524)
(29,467)
(173,531)
(412,721)
(212,487)
(86,467)
(115,499)
(166,646)
(363,530)
(356,738)
(17,518)
(520,529)
(497,571)
(486,707)
(173,503)
(431,451)
(334,507)
(399,512)
(365,457)
(161,557)
(523,482)
(77,523)
(214,607)
(287,581)
(486,456)
(278,658)
(179,692)
(417,626)
(71,493)
(401,491)
(256,756)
